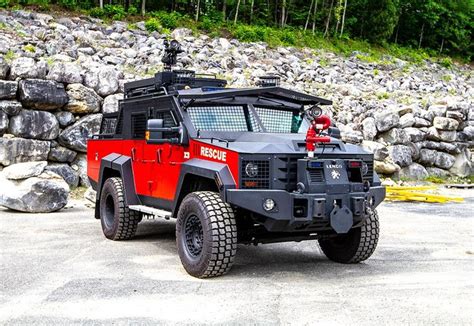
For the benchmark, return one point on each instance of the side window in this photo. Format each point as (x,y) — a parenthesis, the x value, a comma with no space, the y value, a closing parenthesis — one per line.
(138,123)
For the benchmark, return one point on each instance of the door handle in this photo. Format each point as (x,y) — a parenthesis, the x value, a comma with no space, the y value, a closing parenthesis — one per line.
(158,156)
(134,150)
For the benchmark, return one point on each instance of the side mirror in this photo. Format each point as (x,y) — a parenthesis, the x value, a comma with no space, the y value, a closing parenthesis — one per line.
(155,133)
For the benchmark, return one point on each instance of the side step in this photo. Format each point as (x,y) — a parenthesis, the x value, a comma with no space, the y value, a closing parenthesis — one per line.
(147,210)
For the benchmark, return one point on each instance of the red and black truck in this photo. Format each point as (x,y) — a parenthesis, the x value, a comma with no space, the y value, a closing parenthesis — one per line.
(250,166)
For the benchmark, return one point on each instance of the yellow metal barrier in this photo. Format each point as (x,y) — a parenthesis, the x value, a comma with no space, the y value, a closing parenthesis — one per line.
(415,193)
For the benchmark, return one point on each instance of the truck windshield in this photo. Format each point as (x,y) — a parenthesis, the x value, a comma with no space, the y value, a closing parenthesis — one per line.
(241,118)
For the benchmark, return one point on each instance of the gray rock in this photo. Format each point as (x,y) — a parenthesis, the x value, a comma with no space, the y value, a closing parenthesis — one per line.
(42,94)
(437,172)
(80,166)
(414,134)
(420,122)
(414,171)
(10,107)
(441,135)
(104,81)
(61,154)
(407,120)
(66,172)
(111,103)
(65,118)
(369,129)
(444,160)
(427,157)
(462,165)
(34,124)
(441,146)
(352,137)
(27,68)
(442,123)
(75,136)
(438,110)
(385,168)
(8,89)
(380,151)
(82,100)
(65,72)
(4,68)
(24,170)
(400,155)
(43,194)
(386,121)
(16,150)
(469,132)
(90,195)
(394,136)
(3,122)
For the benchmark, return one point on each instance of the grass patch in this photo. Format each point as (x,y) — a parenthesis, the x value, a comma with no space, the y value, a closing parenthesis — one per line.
(9,56)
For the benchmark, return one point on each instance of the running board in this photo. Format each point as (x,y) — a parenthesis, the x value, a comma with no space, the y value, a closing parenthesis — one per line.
(155,212)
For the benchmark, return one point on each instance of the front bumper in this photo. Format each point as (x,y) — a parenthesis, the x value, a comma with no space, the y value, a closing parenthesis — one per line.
(307,212)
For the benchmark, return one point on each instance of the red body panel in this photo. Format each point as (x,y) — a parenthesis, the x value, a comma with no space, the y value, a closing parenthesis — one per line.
(157,167)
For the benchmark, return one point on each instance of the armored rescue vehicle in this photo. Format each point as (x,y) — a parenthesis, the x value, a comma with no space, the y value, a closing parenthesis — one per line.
(254,165)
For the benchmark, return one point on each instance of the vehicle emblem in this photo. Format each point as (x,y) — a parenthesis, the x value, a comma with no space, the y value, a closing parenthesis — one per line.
(335,174)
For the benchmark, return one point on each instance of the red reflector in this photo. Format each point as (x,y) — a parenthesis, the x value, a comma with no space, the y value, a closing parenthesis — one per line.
(250,184)
(355,164)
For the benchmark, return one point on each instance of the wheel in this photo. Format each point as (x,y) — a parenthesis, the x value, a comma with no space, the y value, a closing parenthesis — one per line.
(355,246)
(118,222)
(206,235)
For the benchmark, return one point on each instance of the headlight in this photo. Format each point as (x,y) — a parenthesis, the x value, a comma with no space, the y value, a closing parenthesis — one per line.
(268,204)
(365,168)
(251,169)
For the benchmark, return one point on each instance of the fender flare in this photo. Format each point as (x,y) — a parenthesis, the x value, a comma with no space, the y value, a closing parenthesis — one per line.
(123,165)
(218,172)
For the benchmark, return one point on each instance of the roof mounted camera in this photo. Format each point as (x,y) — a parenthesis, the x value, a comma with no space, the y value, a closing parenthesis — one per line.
(170,58)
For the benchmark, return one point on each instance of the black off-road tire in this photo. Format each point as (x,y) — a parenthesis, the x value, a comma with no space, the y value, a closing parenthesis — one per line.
(355,246)
(206,234)
(118,222)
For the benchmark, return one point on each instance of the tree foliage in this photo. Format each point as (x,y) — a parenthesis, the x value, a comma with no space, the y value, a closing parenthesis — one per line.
(444,26)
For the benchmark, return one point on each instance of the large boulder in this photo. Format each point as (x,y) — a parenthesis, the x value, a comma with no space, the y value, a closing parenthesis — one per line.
(414,171)
(45,193)
(441,146)
(385,168)
(24,67)
(42,94)
(369,129)
(386,120)
(414,134)
(34,124)
(407,120)
(65,118)
(15,150)
(394,136)
(444,160)
(437,172)
(75,137)
(104,80)
(111,103)
(66,172)
(10,107)
(8,89)
(24,170)
(380,151)
(82,100)
(65,72)
(443,123)
(80,166)
(462,165)
(61,154)
(3,122)
(400,155)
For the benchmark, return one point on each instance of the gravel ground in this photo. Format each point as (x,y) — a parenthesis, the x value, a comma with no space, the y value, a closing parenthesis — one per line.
(59,269)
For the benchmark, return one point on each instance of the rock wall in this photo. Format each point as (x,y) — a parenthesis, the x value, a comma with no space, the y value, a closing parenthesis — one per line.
(59,75)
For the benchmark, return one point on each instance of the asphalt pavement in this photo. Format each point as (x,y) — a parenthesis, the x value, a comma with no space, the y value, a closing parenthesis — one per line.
(59,269)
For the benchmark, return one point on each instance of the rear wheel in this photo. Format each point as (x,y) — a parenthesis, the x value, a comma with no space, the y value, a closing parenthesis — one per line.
(206,234)
(118,222)
(355,246)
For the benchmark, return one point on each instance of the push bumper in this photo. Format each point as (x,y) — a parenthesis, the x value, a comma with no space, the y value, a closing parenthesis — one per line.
(307,212)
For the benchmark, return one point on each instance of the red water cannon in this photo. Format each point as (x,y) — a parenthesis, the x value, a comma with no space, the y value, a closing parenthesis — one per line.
(319,123)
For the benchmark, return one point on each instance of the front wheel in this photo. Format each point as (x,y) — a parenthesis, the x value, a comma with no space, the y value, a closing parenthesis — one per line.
(206,234)
(118,222)
(355,246)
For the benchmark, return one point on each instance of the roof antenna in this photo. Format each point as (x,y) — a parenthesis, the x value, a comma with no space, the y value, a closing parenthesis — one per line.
(172,49)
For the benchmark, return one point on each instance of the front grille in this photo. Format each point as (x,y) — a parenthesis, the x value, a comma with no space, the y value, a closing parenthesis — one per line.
(316,175)
(261,180)
(286,177)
